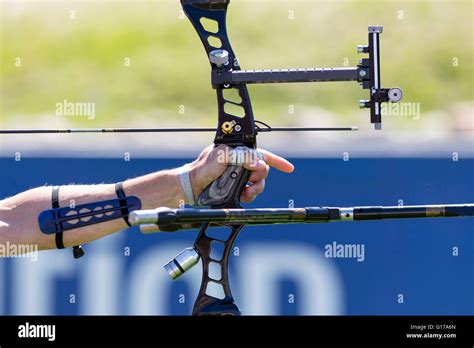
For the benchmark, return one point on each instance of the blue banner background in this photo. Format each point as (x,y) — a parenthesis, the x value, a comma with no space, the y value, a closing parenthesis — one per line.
(408,267)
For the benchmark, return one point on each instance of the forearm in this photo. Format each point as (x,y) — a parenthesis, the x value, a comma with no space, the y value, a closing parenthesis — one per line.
(19,214)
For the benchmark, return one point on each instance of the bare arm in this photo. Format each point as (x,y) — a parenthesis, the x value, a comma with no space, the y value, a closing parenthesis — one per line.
(19,214)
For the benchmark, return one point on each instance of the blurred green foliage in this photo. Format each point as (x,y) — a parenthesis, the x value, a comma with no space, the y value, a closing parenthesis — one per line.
(77,51)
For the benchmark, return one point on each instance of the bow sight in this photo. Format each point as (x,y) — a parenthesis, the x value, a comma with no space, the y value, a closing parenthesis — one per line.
(367,73)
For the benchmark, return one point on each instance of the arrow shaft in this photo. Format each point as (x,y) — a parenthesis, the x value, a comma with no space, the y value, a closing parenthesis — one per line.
(169,130)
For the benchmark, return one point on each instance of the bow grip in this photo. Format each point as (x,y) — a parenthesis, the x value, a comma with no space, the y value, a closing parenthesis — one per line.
(225,191)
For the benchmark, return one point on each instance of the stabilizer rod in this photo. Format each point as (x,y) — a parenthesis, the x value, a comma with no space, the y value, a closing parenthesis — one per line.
(170,220)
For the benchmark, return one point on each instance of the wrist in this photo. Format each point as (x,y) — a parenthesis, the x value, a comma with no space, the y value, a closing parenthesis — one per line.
(186,178)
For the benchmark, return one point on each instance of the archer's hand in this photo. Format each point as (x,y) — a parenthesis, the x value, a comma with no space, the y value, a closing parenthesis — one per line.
(213,161)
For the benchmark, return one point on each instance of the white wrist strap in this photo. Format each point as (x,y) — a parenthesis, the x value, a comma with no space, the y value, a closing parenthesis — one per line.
(185,181)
